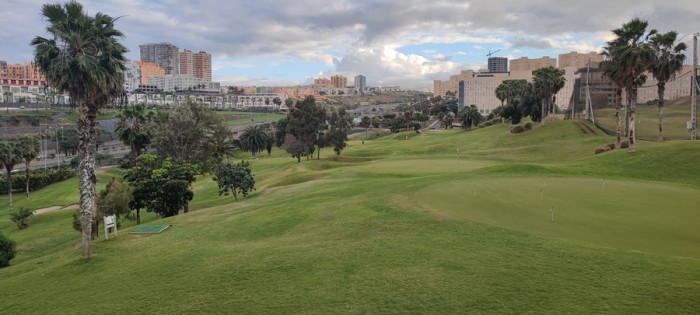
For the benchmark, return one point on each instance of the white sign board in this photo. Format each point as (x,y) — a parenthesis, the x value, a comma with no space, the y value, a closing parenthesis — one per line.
(110,222)
(689,124)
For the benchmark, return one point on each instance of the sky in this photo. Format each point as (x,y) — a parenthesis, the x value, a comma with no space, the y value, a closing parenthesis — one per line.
(408,43)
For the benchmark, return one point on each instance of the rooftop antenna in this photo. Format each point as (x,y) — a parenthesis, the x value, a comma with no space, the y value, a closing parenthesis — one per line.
(492,52)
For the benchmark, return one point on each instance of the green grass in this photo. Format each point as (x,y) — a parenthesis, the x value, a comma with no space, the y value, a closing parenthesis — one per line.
(393,226)
(675,117)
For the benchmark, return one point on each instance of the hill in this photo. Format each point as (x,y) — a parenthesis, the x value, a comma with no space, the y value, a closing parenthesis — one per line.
(439,222)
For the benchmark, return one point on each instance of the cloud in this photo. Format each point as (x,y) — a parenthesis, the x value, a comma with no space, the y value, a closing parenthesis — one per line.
(530,42)
(386,66)
(332,33)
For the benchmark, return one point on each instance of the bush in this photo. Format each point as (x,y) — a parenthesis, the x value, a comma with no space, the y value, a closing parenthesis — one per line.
(528,126)
(20,217)
(517,129)
(624,144)
(611,146)
(7,250)
(37,178)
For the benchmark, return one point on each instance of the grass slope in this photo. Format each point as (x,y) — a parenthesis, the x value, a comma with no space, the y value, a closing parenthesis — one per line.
(393,227)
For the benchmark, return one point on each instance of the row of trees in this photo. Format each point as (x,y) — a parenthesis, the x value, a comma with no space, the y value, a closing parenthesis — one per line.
(535,99)
(24,150)
(309,127)
(634,51)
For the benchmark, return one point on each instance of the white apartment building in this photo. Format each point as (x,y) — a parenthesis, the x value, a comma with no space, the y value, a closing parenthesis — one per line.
(181,82)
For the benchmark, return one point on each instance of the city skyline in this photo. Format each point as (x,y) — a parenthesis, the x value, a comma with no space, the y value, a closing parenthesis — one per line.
(407,43)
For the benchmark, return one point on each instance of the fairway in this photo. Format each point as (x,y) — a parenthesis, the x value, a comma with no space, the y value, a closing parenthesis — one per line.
(437,223)
(629,215)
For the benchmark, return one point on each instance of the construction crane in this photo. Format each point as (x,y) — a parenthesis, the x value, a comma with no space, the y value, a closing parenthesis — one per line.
(491,53)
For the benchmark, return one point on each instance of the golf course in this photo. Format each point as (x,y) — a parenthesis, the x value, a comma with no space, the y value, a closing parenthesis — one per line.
(441,222)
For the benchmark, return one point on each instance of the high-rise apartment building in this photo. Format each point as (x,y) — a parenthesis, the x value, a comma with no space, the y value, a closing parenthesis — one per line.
(498,64)
(197,65)
(322,82)
(339,81)
(164,54)
(577,60)
(202,65)
(525,63)
(360,84)
(148,70)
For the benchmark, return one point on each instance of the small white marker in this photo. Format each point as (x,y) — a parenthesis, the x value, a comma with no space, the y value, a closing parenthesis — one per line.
(603,183)
(541,194)
(551,209)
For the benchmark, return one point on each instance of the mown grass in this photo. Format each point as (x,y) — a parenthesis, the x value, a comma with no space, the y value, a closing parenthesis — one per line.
(675,117)
(394,227)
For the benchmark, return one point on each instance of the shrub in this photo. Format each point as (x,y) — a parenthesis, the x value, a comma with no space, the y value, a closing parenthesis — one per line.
(20,217)
(528,126)
(624,144)
(37,178)
(7,250)
(611,146)
(517,129)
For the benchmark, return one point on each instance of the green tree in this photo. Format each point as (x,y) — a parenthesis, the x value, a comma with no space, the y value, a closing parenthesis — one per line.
(306,122)
(366,122)
(185,135)
(222,144)
(337,136)
(131,128)
(668,59)
(83,58)
(470,117)
(161,187)
(235,178)
(9,157)
(113,200)
(20,217)
(633,56)
(254,139)
(7,250)
(547,82)
(277,101)
(29,150)
(617,76)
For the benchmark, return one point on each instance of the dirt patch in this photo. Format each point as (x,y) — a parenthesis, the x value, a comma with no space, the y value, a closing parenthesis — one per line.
(54,208)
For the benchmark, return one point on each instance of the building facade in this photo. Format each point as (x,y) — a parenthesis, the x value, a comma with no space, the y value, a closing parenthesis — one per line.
(182,82)
(197,65)
(148,70)
(339,81)
(526,64)
(577,60)
(164,54)
(132,76)
(498,64)
(360,84)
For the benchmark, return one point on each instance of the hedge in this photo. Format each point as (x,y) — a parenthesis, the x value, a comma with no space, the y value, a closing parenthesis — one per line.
(37,178)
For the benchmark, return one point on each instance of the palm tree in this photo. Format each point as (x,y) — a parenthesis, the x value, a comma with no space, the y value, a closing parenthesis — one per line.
(131,128)
(547,82)
(253,138)
(633,56)
(668,60)
(83,58)
(28,150)
(613,73)
(502,92)
(9,157)
(470,117)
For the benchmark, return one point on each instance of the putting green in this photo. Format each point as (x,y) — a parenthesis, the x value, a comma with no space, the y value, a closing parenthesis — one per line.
(150,229)
(652,217)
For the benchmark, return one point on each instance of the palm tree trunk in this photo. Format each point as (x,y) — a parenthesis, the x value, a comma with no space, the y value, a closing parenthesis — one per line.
(26,178)
(662,88)
(86,174)
(633,108)
(618,104)
(542,109)
(138,216)
(9,185)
